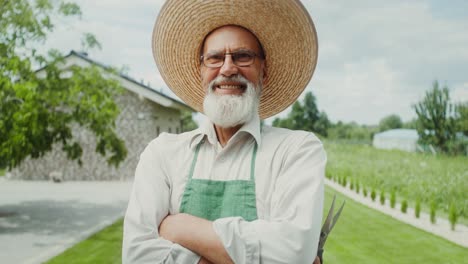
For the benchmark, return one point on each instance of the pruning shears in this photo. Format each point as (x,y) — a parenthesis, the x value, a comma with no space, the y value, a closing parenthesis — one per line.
(328,226)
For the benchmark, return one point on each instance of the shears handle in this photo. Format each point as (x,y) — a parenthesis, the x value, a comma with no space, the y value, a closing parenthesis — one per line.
(320,255)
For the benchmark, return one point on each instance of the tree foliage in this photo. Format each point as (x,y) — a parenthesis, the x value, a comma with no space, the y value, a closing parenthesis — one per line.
(436,118)
(352,132)
(305,116)
(187,122)
(390,122)
(461,110)
(41,108)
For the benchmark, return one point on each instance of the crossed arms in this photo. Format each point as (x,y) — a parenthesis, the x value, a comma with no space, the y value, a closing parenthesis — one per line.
(290,235)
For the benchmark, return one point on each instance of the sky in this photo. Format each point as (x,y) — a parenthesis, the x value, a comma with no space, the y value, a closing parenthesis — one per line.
(376,57)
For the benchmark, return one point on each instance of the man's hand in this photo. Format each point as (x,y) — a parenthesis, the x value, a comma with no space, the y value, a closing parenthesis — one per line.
(205,261)
(196,234)
(317,260)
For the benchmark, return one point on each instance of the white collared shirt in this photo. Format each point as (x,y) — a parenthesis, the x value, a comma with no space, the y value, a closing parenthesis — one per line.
(289,178)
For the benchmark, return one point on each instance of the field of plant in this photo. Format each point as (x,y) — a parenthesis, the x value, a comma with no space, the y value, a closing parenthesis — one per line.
(438,180)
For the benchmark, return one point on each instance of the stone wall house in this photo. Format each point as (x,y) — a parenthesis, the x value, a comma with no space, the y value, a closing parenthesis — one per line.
(144,114)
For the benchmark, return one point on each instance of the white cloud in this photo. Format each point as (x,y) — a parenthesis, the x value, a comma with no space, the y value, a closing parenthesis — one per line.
(379,57)
(367,89)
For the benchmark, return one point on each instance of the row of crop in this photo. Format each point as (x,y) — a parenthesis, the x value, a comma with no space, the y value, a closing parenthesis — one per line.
(356,186)
(434,181)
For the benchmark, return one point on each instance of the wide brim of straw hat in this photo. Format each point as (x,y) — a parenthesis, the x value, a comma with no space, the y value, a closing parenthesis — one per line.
(283,27)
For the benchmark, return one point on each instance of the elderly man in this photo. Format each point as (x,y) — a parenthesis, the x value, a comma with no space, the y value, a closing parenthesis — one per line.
(232,191)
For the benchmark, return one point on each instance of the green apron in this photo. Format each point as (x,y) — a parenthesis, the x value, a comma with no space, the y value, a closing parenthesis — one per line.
(210,199)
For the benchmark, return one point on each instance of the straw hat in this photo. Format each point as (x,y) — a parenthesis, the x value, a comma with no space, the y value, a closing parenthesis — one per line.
(283,27)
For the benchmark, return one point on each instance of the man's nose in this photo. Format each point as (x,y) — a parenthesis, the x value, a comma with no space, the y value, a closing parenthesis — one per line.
(228,68)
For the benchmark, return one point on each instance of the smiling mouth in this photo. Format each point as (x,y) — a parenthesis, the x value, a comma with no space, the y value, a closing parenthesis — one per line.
(230,87)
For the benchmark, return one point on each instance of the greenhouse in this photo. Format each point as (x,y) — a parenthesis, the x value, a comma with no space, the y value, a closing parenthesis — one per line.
(403,139)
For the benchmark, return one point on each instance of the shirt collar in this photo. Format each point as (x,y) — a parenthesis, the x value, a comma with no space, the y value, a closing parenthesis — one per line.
(206,130)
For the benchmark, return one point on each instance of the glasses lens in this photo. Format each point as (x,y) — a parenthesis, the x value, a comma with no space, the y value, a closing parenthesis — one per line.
(240,58)
(243,58)
(213,60)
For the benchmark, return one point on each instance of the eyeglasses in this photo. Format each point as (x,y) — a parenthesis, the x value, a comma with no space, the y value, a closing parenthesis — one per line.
(241,58)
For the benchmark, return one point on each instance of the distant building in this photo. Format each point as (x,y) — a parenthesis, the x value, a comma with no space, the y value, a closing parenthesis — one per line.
(402,139)
(144,114)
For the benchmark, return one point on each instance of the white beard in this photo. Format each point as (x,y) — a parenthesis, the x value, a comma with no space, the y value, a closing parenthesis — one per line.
(231,110)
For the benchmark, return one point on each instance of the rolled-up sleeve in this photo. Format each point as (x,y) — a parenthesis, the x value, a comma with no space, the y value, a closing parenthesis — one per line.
(148,206)
(292,233)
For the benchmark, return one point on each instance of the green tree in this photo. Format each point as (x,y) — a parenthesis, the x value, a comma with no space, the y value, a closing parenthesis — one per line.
(462,118)
(282,122)
(412,124)
(314,120)
(322,125)
(39,110)
(390,122)
(297,116)
(352,131)
(187,121)
(436,122)
(311,113)
(305,116)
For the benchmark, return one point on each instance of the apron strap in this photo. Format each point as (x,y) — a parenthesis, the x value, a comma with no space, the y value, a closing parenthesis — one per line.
(195,157)
(252,161)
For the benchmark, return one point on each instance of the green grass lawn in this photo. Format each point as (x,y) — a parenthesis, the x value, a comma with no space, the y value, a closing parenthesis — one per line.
(2,172)
(101,248)
(362,235)
(413,176)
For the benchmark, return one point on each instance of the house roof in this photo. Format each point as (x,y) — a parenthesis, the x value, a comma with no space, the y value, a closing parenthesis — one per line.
(128,82)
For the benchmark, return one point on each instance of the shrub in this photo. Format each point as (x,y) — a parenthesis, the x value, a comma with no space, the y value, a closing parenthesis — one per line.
(453,216)
(433,212)
(364,191)
(417,208)
(373,195)
(344,181)
(392,199)
(351,185)
(404,206)
(357,187)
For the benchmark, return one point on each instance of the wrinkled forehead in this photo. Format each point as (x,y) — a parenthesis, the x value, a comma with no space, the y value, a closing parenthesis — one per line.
(241,31)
